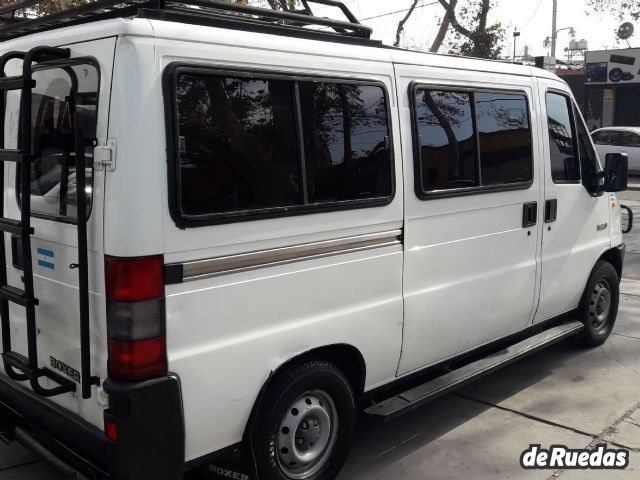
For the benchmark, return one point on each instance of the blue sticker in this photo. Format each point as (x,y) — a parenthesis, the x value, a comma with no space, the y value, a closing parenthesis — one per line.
(44,264)
(45,252)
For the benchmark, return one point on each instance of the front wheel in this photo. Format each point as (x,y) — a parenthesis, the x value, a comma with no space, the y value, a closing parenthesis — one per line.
(599,305)
(305,424)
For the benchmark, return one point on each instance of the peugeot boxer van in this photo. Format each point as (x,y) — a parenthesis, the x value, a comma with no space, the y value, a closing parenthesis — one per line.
(227,230)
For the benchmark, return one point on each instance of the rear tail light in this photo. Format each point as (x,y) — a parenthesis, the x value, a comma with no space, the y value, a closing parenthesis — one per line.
(111,430)
(135,318)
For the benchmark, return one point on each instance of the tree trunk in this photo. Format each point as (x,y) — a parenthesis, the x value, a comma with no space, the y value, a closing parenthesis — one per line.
(445,123)
(346,124)
(444,28)
(403,21)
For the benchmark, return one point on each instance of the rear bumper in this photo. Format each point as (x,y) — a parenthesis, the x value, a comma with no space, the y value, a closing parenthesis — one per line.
(150,425)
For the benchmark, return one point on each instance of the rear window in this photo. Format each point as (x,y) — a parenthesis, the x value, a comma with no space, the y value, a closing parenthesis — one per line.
(247,146)
(605,137)
(629,139)
(60,96)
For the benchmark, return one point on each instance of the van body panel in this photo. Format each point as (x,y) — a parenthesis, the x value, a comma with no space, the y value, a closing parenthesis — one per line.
(140,178)
(263,317)
(466,257)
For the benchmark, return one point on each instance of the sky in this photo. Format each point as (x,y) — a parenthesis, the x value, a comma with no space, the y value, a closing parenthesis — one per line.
(531,17)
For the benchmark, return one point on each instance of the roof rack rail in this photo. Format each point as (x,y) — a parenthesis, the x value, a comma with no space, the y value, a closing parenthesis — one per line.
(301,22)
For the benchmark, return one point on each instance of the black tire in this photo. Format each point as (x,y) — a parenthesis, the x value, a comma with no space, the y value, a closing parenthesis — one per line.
(603,283)
(319,379)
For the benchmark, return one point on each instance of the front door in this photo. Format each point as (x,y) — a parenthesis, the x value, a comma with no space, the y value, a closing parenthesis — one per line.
(471,226)
(578,233)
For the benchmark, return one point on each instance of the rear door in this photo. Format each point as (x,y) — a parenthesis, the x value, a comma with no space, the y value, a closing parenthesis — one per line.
(54,199)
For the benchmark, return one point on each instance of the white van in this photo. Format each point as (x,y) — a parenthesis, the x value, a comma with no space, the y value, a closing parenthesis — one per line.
(244,226)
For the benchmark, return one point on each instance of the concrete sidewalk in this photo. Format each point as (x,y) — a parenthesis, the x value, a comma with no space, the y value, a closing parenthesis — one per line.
(563,395)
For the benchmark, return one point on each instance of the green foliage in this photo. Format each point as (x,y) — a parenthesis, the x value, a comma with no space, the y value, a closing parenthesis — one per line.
(624,9)
(472,36)
(274,4)
(45,7)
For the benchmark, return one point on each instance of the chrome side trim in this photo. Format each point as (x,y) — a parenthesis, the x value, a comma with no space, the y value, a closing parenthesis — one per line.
(212,267)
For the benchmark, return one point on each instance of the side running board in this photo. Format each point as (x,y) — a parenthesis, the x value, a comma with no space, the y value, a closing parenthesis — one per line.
(418,396)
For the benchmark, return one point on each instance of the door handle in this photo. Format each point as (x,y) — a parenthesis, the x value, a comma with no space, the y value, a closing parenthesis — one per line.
(529,214)
(551,210)
(16,253)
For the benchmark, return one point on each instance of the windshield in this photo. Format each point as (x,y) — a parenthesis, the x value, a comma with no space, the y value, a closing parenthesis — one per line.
(62,96)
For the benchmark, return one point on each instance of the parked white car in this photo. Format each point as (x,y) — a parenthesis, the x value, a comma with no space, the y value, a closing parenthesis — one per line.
(619,140)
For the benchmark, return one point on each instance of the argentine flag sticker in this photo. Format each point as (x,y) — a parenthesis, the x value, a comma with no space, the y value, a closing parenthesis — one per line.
(45,258)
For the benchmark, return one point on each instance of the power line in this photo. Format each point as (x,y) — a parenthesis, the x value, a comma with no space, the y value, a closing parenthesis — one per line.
(535,11)
(398,11)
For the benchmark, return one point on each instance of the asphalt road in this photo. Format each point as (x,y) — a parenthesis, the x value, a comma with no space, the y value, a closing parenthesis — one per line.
(562,395)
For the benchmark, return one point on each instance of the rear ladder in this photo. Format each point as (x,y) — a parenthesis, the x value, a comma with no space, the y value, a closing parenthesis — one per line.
(17,366)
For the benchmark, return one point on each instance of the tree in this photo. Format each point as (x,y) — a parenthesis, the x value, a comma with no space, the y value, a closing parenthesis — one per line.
(444,28)
(479,39)
(622,8)
(403,21)
(46,7)
(442,31)
(285,5)
(471,33)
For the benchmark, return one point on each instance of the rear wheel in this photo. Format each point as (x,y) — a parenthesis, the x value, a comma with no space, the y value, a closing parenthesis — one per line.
(599,305)
(305,424)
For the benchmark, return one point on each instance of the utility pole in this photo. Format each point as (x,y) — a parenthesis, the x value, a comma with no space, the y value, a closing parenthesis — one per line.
(554,32)
(516,34)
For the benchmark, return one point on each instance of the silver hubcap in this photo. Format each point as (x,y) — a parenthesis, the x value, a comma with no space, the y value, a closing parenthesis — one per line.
(307,435)
(600,305)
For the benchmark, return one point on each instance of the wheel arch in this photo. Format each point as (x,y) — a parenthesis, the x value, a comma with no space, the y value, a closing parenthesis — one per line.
(614,257)
(346,357)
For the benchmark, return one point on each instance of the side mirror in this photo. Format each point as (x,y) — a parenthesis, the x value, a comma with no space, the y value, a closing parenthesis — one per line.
(616,172)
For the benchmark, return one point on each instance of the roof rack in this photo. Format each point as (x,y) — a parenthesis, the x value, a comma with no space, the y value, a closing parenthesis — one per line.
(14,22)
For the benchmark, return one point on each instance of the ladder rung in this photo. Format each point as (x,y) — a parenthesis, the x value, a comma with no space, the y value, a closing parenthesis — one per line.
(16,295)
(14,227)
(14,83)
(17,361)
(11,155)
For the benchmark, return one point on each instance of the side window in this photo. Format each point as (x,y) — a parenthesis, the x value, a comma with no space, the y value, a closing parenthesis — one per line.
(565,166)
(240,149)
(588,157)
(237,144)
(472,139)
(605,137)
(448,150)
(505,138)
(629,139)
(346,141)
